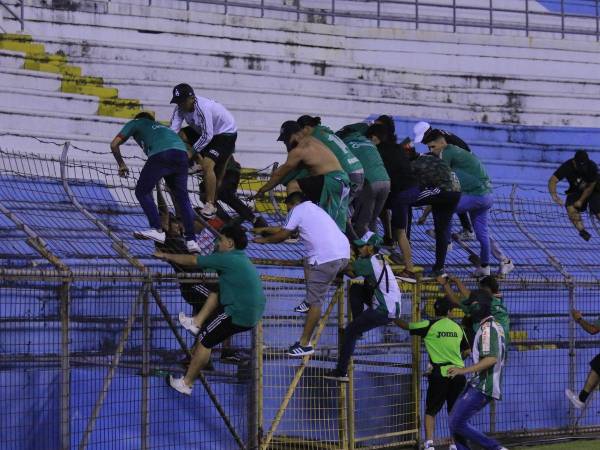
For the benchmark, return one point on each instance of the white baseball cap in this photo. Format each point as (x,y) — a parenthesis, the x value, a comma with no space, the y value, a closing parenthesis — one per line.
(420,129)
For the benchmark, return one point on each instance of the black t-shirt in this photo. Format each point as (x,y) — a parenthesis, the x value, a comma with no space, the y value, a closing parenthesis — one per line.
(577,178)
(453,139)
(398,166)
(193,293)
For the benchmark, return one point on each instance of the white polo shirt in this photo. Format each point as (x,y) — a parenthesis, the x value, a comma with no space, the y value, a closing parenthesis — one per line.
(322,238)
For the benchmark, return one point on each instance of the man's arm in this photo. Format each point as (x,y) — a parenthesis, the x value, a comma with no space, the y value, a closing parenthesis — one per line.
(294,158)
(483,364)
(464,291)
(115,148)
(588,327)
(206,124)
(176,120)
(274,238)
(445,284)
(401,323)
(180,260)
(552,182)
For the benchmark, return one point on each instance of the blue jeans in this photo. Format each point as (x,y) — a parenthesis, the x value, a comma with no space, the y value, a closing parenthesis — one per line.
(470,402)
(172,165)
(478,207)
(362,322)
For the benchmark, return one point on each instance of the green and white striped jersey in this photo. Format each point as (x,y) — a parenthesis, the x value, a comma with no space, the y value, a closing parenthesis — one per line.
(489,341)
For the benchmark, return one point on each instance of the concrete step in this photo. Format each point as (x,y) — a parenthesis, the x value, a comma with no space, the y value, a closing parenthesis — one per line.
(29,79)
(45,100)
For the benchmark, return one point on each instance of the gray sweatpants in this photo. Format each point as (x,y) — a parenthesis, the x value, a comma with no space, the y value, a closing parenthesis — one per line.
(368,206)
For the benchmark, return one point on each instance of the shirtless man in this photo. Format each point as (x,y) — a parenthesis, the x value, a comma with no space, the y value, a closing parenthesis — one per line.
(327,184)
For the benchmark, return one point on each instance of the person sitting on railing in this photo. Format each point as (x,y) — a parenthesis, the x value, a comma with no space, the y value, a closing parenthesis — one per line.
(325,183)
(376,188)
(380,292)
(593,378)
(327,253)
(476,198)
(447,345)
(211,132)
(583,192)
(238,306)
(422,130)
(489,355)
(167,158)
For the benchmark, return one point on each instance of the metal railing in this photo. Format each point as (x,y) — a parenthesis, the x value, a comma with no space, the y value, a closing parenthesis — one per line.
(487,16)
(20,16)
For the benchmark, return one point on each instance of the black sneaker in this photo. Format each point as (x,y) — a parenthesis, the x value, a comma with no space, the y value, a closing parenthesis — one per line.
(231,357)
(585,235)
(298,350)
(302,307)
(336,375)
(259,222)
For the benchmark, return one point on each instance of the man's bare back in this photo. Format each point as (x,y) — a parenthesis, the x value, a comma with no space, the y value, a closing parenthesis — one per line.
(315,156)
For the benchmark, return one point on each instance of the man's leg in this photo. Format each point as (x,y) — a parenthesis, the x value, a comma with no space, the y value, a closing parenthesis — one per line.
(199,360)
(210,179)
(465,223)
(592,381)
(479,217)
(177,183)
(468,404)
(357,305)
(228,195)
(443,209)
(363,209)
(151,173)
(437,389)
(368,320)
(382,190)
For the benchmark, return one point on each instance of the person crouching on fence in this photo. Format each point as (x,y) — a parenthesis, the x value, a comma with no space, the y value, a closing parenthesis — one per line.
(238,306)
(380,292)
(168,159)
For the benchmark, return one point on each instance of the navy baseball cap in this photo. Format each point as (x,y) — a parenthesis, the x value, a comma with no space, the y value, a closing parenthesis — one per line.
(288,128)
(181,92)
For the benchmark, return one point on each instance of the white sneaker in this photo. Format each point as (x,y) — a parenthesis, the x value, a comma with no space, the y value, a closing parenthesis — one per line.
(574,398)
(481,272)
(465,235)
(506,267)
(428,445)
(188,323)
(152,234)
(453,447)
(179,385)
(209,211)
(192,246)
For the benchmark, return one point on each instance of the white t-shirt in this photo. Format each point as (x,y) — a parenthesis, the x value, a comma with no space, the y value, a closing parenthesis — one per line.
(208,119)
(320,235)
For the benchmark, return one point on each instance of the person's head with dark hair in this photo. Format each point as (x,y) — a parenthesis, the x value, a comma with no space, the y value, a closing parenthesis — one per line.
(184,97)
(490,284)
(582,162)
(233,237)
(145,115)
(443,306)
(175,226)
(377,133)
(479,304)
(290,134)
(308,123)
(295,198)
(389,126)
(436,141)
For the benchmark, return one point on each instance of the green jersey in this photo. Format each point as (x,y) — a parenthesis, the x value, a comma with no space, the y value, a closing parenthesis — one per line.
(152,136)
(387,296)
(240,289)
(348,161)
(489,341)
(473,178)
(444,340)
(369,157)
(499,312)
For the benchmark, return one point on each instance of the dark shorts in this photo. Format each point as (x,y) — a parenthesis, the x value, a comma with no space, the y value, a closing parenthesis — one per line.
(217,328)
(219,149)
(195,294)
(312,187)
(593,202)
(442,390)
(595,364)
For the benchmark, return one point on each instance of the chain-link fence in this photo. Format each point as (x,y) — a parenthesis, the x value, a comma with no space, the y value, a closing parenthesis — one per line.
(88,331)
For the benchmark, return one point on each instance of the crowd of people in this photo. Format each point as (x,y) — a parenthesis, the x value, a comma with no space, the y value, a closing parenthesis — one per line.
(340,185)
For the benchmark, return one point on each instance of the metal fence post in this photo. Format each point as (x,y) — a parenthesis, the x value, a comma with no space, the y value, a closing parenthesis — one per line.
(416,361)
(491,16)
(572,362)
(342,400)
(416,14)
(225,6)
(527,18)
(65,366)
(146,344)
(597,20)
(378,13)
(350,399)
(333,12)
(255,404)
(562,19)
(454,15)
(298,11)
(262,8)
